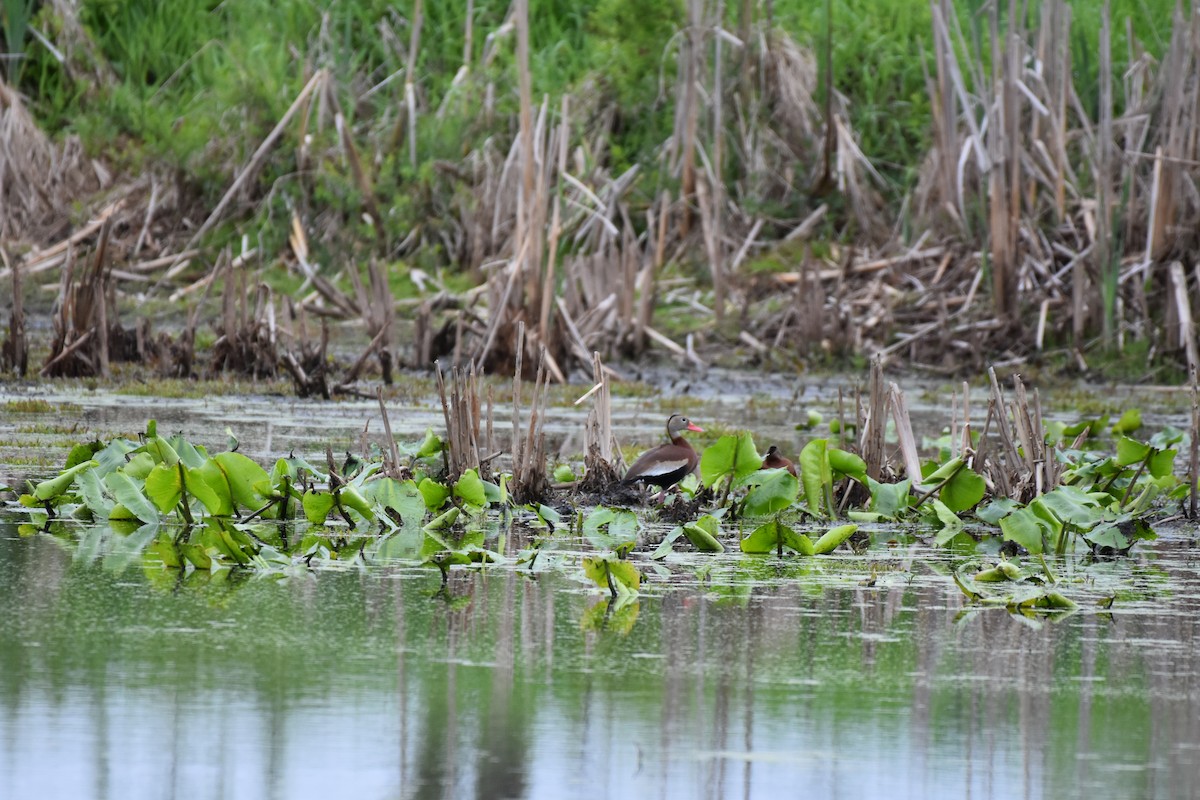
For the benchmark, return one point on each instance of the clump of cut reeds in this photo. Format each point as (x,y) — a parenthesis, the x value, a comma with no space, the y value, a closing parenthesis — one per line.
(80,343)
(247,341)
(306,361)
(468,441)
(602,460)
(1019,464)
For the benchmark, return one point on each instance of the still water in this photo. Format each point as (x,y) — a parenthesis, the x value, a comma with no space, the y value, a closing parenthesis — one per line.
(731,676)
(129,682)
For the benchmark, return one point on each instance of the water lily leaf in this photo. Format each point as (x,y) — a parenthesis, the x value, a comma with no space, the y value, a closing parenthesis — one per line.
(434,494)
(82,452)
(599,569)
(469,488)
(847,463)
(778,490)
(139,466)
(112,456)
(216,493)
(772,537)
(889,499)
(1130,451)
(1053,524)
(404,543)
(166,552)
(816,475)
(614,616)
(611,529)
(52,488)
(703,534)
(548,515)
(996,510)
(402,497)
(352,498)
(317,506)
(951,525)
(626,574)
(496,493)
(164,487)
(445,520)
(91,489)
(1109,536)
(225,543)
(160,450)
(1025,528)
(668,544)
(832,538)
(215,500)
(1161,464)
(130,497)
(731,457)
(1003,571)
(1092,426)
(942,472)
(1151,489)
(1042,600)
(283,469)
(189,454)
(963,491)
(196,555)
(1129,422)
(1072,506)
(431,445)
(247,481)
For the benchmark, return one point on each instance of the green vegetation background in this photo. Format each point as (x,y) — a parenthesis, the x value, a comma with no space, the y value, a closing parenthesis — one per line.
(200,83)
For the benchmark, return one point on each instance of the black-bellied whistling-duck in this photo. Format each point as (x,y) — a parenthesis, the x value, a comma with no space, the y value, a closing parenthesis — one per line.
(668,464)
(774,460)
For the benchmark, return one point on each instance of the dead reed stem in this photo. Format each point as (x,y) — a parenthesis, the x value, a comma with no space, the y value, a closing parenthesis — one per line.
(530,481)
(1194,448)
(14,355)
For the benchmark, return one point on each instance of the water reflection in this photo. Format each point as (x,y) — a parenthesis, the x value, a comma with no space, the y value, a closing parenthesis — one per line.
(128,684)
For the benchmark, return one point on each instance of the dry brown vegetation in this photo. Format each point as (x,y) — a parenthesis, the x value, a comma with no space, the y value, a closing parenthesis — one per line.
(1045,216)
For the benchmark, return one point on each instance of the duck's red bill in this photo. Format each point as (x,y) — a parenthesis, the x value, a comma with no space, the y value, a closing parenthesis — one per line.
(694,427)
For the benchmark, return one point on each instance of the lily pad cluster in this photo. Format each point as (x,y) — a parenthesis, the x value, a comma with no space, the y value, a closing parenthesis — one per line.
(191,509)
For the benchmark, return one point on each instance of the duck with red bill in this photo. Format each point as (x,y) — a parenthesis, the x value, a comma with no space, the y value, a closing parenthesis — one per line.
(776,460)
(669,463)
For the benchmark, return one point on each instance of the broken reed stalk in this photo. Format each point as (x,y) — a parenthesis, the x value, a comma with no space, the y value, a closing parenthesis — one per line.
(530,481)
(564,133)
(1194,449)
(687,111)
(14,355)
(872,423)
(410,92)
(717,247)
(1107,263)
(391,463)
(904,434)
(602,460)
